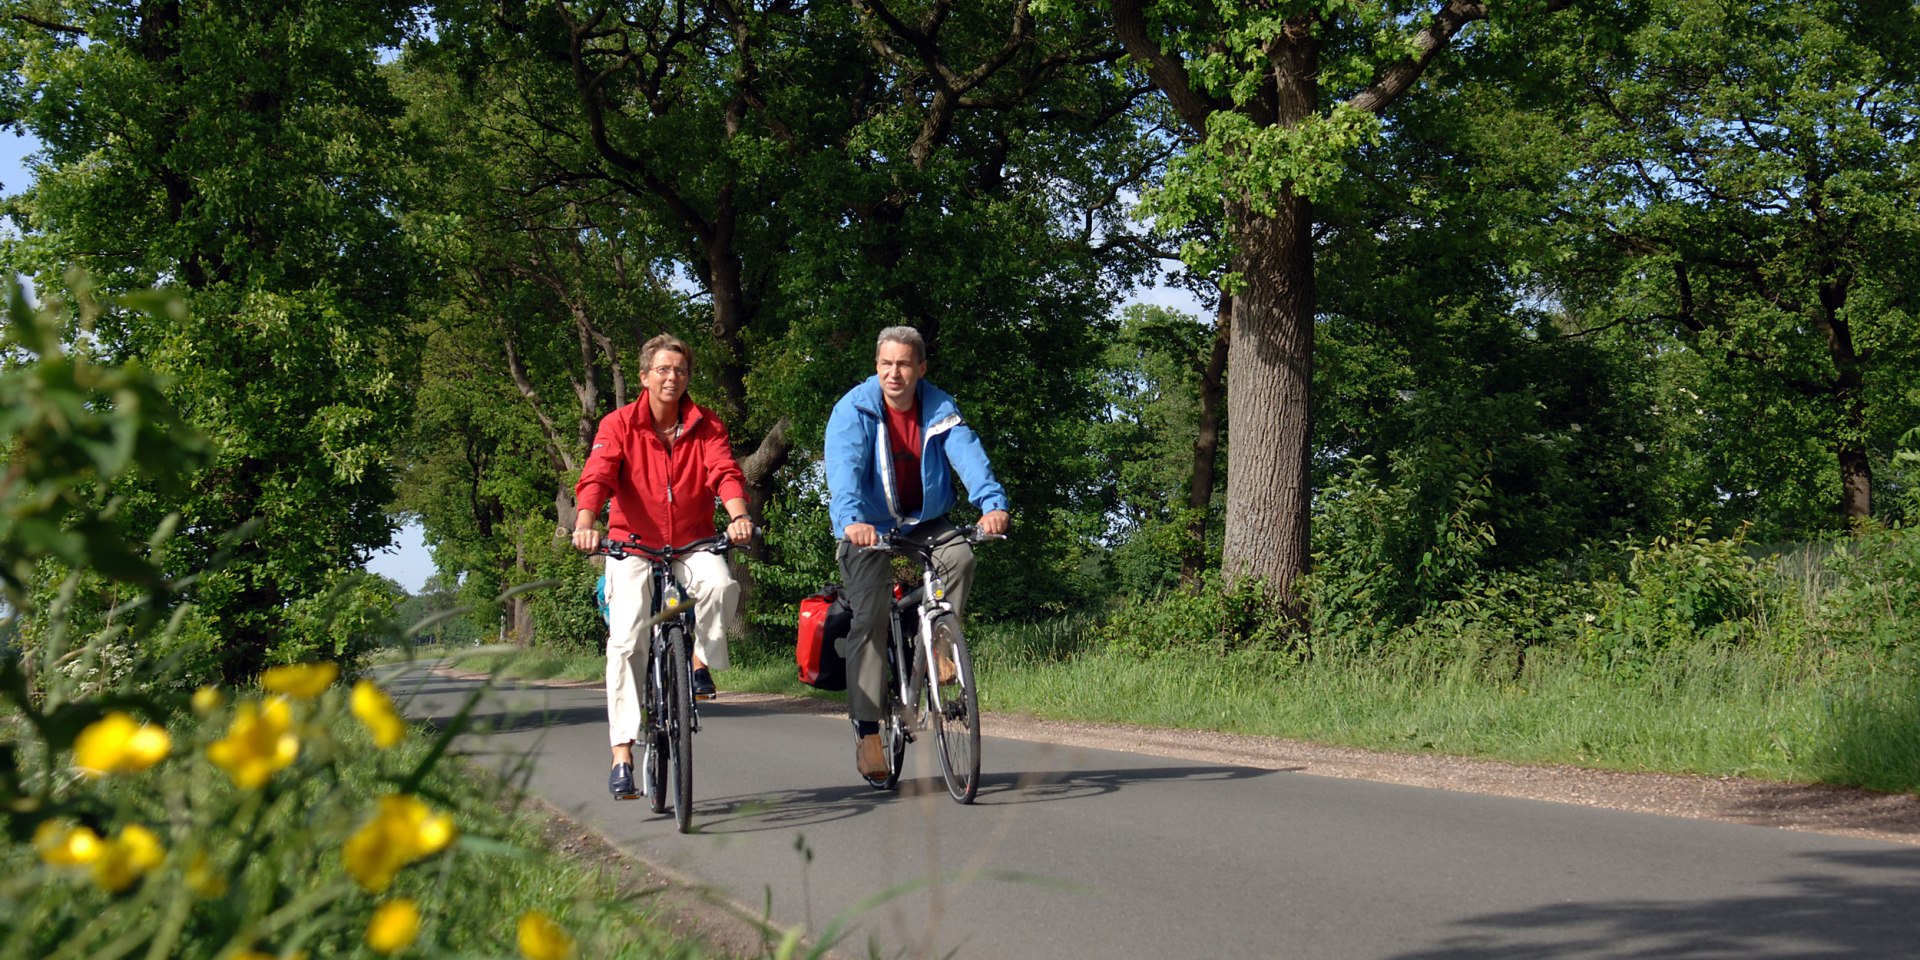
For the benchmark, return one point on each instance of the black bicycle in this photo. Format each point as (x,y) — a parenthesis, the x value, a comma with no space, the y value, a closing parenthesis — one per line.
(669,713)
(925,642)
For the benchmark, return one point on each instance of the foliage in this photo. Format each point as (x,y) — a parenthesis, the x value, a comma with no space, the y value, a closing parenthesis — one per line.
(1150,382)
(344,622)
(775,192)
(1219,619)
(447,621)
(1869,594)
(289,818)
(1746,188)
(1390,551)
(1681,590)
(566,615)
(71,428)
(244,158)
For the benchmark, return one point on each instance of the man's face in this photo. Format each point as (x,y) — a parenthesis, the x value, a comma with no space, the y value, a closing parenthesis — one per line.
(666,375)
(899,373)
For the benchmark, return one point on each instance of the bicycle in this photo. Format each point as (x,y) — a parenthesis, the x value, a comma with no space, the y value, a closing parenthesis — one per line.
(669,715)
(922,625)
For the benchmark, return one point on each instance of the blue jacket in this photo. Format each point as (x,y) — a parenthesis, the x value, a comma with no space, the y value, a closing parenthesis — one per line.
(860,463)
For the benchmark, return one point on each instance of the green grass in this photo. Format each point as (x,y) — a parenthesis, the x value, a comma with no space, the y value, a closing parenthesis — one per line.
(1725,712)
(1714,712)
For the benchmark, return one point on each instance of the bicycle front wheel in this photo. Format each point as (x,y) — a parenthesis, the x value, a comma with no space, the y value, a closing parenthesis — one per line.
(679,692)
(955,707)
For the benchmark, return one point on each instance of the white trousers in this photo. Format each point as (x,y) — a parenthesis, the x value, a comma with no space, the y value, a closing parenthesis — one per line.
(629,596)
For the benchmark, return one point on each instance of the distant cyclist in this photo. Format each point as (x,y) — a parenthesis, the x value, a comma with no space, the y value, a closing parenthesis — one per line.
(663,461)
(893,444)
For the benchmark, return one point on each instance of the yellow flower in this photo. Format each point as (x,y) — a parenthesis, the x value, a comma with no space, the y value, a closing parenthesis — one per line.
(259,742)
(64,845)
(542,939)
(394,926)
(375,709)
(123,859)
(302,681)
(205,878)
(401,831)
(208,699)
(117,743)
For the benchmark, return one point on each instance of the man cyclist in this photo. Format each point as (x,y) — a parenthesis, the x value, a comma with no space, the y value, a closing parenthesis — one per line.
(662,460)
(892,444)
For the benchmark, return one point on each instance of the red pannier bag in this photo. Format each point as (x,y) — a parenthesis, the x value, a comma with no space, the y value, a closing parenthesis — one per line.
(825,617)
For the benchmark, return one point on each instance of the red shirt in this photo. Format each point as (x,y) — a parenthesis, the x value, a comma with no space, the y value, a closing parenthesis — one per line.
(903,441)
(666,499)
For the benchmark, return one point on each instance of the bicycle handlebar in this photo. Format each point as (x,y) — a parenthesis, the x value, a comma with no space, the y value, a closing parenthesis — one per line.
(894,543)
(621,549)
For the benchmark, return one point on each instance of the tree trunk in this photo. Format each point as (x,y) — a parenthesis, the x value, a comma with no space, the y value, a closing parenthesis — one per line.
(1270,377)
(1856,472)
(1269,399)
(1206,446)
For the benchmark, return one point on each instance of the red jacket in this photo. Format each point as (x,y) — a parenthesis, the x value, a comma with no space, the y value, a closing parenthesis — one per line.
(666,500)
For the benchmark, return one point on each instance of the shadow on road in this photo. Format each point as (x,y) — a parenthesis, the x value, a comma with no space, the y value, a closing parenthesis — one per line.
(1803,916)
(786,809)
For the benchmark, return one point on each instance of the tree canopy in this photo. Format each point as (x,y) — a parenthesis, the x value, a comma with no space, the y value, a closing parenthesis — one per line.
(1487,285)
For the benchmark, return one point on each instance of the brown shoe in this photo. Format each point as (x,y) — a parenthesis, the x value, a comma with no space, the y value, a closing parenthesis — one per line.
(870,757)
(948,670)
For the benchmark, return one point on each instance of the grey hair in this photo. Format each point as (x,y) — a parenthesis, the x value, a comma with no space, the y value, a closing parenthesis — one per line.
(906,335)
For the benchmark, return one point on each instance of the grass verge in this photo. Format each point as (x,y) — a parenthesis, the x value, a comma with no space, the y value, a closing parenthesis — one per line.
(1709,711)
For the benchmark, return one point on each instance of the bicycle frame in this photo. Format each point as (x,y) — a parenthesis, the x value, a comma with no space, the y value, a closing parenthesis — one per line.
(913,651)
(925,603)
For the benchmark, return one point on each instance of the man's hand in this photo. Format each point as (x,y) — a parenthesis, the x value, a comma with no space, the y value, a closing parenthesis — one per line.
(994,523)
(861,534)
(585,538)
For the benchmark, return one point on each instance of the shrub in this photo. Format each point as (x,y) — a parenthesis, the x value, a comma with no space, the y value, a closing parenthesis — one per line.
(1678,590)
(1220,618)
(566,617)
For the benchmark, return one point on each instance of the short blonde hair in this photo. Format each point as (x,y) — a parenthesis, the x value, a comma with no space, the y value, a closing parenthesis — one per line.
(664,341)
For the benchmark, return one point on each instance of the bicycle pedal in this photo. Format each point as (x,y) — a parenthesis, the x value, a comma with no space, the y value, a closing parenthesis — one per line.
(706,696)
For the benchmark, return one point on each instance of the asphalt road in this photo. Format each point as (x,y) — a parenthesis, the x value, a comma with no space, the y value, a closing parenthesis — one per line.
(1073,852)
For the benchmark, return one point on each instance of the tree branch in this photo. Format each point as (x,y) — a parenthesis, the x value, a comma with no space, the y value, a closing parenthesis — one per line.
(1166,70)
(50,25)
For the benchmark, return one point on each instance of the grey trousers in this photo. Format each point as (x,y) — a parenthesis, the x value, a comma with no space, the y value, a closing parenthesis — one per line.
(867,577)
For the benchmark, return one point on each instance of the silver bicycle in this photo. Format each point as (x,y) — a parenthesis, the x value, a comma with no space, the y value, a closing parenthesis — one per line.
(930,673)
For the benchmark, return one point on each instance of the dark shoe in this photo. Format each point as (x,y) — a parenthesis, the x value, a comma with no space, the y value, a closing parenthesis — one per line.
(620,782)
(703,684)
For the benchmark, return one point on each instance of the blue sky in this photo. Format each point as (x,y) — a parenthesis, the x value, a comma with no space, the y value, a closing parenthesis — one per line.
(13,152)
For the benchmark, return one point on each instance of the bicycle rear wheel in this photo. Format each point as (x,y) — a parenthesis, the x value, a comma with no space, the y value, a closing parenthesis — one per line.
(956,715)
(679,691)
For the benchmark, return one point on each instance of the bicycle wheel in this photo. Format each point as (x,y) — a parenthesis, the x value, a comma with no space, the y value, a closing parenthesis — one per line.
(679,690)
(956,715)
(653,764)
(893,727)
